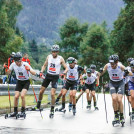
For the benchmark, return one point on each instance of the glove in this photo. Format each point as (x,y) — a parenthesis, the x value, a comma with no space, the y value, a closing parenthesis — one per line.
(126,72)
(101,70)
(27,68)
(40,74)
(85,77)
(62,76)
(97,85)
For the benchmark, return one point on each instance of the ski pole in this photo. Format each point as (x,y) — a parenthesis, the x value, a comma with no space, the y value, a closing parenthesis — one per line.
(9,93)
(104,100)
(33,89)
(124,107)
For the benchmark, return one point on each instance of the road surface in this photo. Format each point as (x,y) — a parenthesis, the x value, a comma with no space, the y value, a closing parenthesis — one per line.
(84,122)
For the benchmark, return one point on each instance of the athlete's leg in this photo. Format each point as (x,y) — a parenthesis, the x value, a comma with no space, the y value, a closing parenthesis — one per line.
(23,94)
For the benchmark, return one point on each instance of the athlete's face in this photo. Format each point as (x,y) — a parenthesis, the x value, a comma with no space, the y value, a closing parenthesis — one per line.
(71,65)
(113,65)
(18,63)
(88,74)
(93,70)
(55,53)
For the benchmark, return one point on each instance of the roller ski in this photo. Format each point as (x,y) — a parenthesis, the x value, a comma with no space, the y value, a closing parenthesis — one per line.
(34,109)
(51,115)
(70,107)
(21,115)
(12,115)
(132,116)
(89,107)
(96,108)
(122,121)
(62,109)
(116,120)
(74,111)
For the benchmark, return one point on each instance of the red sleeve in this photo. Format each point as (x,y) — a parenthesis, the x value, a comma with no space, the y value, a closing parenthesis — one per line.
(8,62)
(28,61)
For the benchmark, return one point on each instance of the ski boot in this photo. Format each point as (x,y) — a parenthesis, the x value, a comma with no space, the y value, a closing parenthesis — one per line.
(96,108)
(51,115)
(74,111)
(89,107)
(11,115)
(122,121)
(116,120)
(62,109)
(70,107)
(57,101)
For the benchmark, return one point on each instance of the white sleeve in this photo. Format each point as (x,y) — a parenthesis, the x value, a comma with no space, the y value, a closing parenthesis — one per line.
(11,67)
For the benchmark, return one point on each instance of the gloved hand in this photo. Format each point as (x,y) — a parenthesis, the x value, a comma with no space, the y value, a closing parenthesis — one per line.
(85,77)
(126,72)
(62,76)
(27,68)
(97,85)
(40,74)
(101,70)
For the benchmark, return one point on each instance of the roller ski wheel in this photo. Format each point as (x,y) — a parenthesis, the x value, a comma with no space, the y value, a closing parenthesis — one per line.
(17,116)
(6,116)
(96,108)
(132,116)
(56,110)
(122,122)
(89,107)
(51,115)
(115,122)
(70,108)
(74,112)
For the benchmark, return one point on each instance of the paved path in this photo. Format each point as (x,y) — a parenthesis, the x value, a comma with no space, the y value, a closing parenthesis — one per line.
(84,122)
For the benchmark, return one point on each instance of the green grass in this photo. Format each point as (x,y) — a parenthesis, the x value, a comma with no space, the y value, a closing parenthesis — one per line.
(4,101)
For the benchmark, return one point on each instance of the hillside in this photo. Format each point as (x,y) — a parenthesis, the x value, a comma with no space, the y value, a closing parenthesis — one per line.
(40,19)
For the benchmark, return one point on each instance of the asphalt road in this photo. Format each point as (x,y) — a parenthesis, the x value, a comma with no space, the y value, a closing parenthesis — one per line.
(84,122)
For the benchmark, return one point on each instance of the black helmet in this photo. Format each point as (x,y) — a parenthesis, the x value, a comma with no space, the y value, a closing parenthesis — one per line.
(93,66)
(71,60)
(130,59)
(113,58)
(132,63)
(55,48)
(17,56)
(89,71)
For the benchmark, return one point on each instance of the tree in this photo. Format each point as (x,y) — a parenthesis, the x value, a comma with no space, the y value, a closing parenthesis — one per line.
(33,48)
(9,41)
(122,37)
(71,34)
(95,46)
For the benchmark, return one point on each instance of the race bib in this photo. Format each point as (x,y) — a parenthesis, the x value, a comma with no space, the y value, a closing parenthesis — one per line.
(52,68)
(115,77)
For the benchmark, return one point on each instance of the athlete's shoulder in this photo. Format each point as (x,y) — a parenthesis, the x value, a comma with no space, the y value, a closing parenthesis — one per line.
(25,63)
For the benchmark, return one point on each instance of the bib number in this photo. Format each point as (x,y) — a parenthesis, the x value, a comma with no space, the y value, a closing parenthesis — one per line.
(115,77)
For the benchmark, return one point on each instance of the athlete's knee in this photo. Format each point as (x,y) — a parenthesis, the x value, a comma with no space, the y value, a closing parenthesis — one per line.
(132,96)
(22,96)
(114,99)
(119,100)
(16,97)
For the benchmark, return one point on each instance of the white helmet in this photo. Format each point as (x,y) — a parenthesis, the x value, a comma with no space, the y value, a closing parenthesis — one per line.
(55,48)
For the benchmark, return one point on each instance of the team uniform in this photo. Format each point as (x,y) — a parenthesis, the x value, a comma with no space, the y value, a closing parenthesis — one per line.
(72,77)
(131,82)
(116,83)
(53,70)
(89,82)
(22,76)
(126,80)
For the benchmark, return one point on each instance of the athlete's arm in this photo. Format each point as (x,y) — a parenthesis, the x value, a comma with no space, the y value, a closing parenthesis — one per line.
(64,65)
(45,65)
(104,70)
(128,72)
